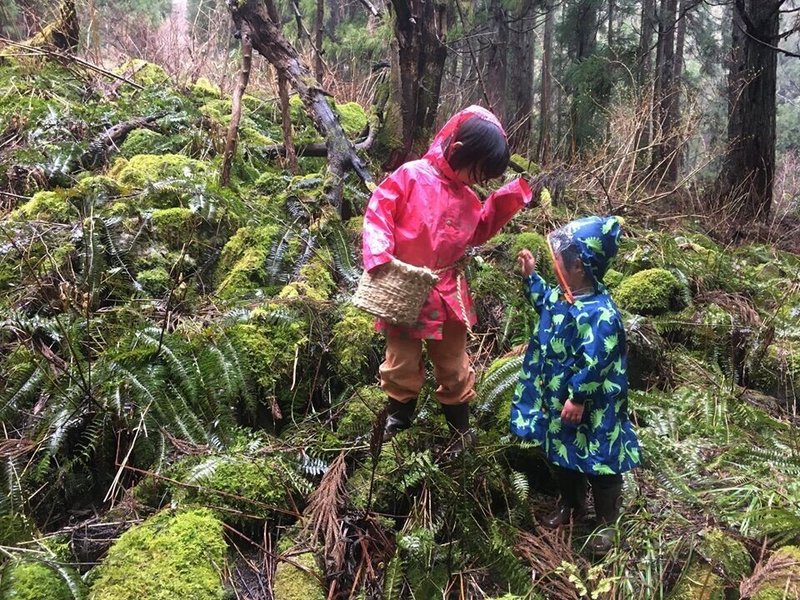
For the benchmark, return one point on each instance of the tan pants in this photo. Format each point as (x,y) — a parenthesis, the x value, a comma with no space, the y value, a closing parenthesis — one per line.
(403,370)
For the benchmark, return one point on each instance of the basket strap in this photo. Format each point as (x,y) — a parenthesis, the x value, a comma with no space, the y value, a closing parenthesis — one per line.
(458,267)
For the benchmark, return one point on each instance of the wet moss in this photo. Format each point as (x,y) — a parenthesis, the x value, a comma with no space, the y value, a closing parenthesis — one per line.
(143,72)
(780,578)
(147,168)
(147,141)
(650,292)
(353,339)
(299,583)
(155,281)
(727,554)
(47,206)
(174,225)
(352,118)
(204,87)
(36,581)
(360,412)
(168,556)
(698,582)
(613,278)
(242,265)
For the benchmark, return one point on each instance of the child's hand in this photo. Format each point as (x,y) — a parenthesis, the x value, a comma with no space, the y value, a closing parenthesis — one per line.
(526,262)
(572,412)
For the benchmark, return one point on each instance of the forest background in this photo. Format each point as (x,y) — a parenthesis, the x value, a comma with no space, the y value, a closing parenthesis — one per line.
(188,397)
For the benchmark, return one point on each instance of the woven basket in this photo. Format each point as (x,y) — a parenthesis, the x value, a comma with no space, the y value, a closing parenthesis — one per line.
(396,293)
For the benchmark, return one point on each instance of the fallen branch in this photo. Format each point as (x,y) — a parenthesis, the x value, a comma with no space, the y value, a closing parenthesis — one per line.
(236,109)
(270,42)
(101,147)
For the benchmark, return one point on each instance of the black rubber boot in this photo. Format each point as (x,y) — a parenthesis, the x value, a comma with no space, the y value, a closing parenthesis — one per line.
(399,415)
(607,502)
(457,417)
(572,504)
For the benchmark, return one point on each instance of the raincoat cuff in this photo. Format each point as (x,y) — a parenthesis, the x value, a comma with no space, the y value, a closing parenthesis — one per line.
(525,190)
(376,260)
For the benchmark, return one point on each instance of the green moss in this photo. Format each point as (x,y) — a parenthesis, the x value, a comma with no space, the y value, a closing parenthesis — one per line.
(353,338)
(613,278)
(269,343)
(155,281)
(352,117)
(143,72)
(205,87)
(46,206)
(15,527)
(147,168)
(96,185)
(780,577)
(166,557)
(174,225)
(698,582)
(778,373)
(295,583)
(537,244)
(650,292)
(234,484)
(271,183)
(35,581)
(360,412)
(725,553)
(147,141)
(314,280)
(242,264)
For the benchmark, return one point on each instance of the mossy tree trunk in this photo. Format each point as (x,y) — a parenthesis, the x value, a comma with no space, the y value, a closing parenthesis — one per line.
(268,40)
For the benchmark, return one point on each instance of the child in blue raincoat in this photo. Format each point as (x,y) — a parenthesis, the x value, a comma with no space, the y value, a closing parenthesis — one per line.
(572,396)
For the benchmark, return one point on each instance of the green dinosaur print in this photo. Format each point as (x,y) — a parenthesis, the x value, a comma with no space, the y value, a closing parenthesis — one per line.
(561,450)
(592,362)
(535,356)
(595,244)
(606,315)
(602,469)
(613,435)
(558,320)
(618,368)
(633,453)
(586,332)
(590,387)
(558,345)
(594,446)
(553,296)
(582,443)
(609,387)
(555,426)
(520,421)
(608,226)
(555,382)
(610,344)
(596,416)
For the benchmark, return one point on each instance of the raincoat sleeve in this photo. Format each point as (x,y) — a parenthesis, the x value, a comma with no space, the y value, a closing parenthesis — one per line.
(536,290)
(599,361)
(378,245)
(499,208)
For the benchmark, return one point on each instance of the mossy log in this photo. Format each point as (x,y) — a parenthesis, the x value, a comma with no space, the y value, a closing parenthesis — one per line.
(101,147)
(268,40)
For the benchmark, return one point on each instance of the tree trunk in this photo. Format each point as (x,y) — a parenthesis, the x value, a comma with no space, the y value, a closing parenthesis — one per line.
(610,23)
(495,59)
(283,95)
(269,41)
(584,18)
(319,30)
(677,77)
(545,117)
(334,9)
(419,29)
(664,153)
(236,111)
(746,179)
(520,78)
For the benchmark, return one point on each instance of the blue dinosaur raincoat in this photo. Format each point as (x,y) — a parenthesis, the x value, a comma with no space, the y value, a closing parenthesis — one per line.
(578,352)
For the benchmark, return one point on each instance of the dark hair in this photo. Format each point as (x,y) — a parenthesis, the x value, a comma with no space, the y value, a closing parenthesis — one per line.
(484,151)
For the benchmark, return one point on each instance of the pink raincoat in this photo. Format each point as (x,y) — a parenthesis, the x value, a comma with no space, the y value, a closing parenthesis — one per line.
(423,215)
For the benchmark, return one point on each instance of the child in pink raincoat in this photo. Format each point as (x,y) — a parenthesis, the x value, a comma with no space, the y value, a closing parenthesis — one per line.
(425,214)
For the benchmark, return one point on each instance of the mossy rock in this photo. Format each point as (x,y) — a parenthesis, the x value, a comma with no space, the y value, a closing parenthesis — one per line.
(168,556)
(271,183)
(26,580)
(148,168)
(174,225)
(727,554)
(143,72)
(242,264)
(354,337)
(780,577)
(698,582)
(236,485)
(147,141)
(154,281)
(360,412)
(537,244)
(52,206)
(352,118)
(314,281)
(613,278)
(204,87)
(651,292)
(294,583)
